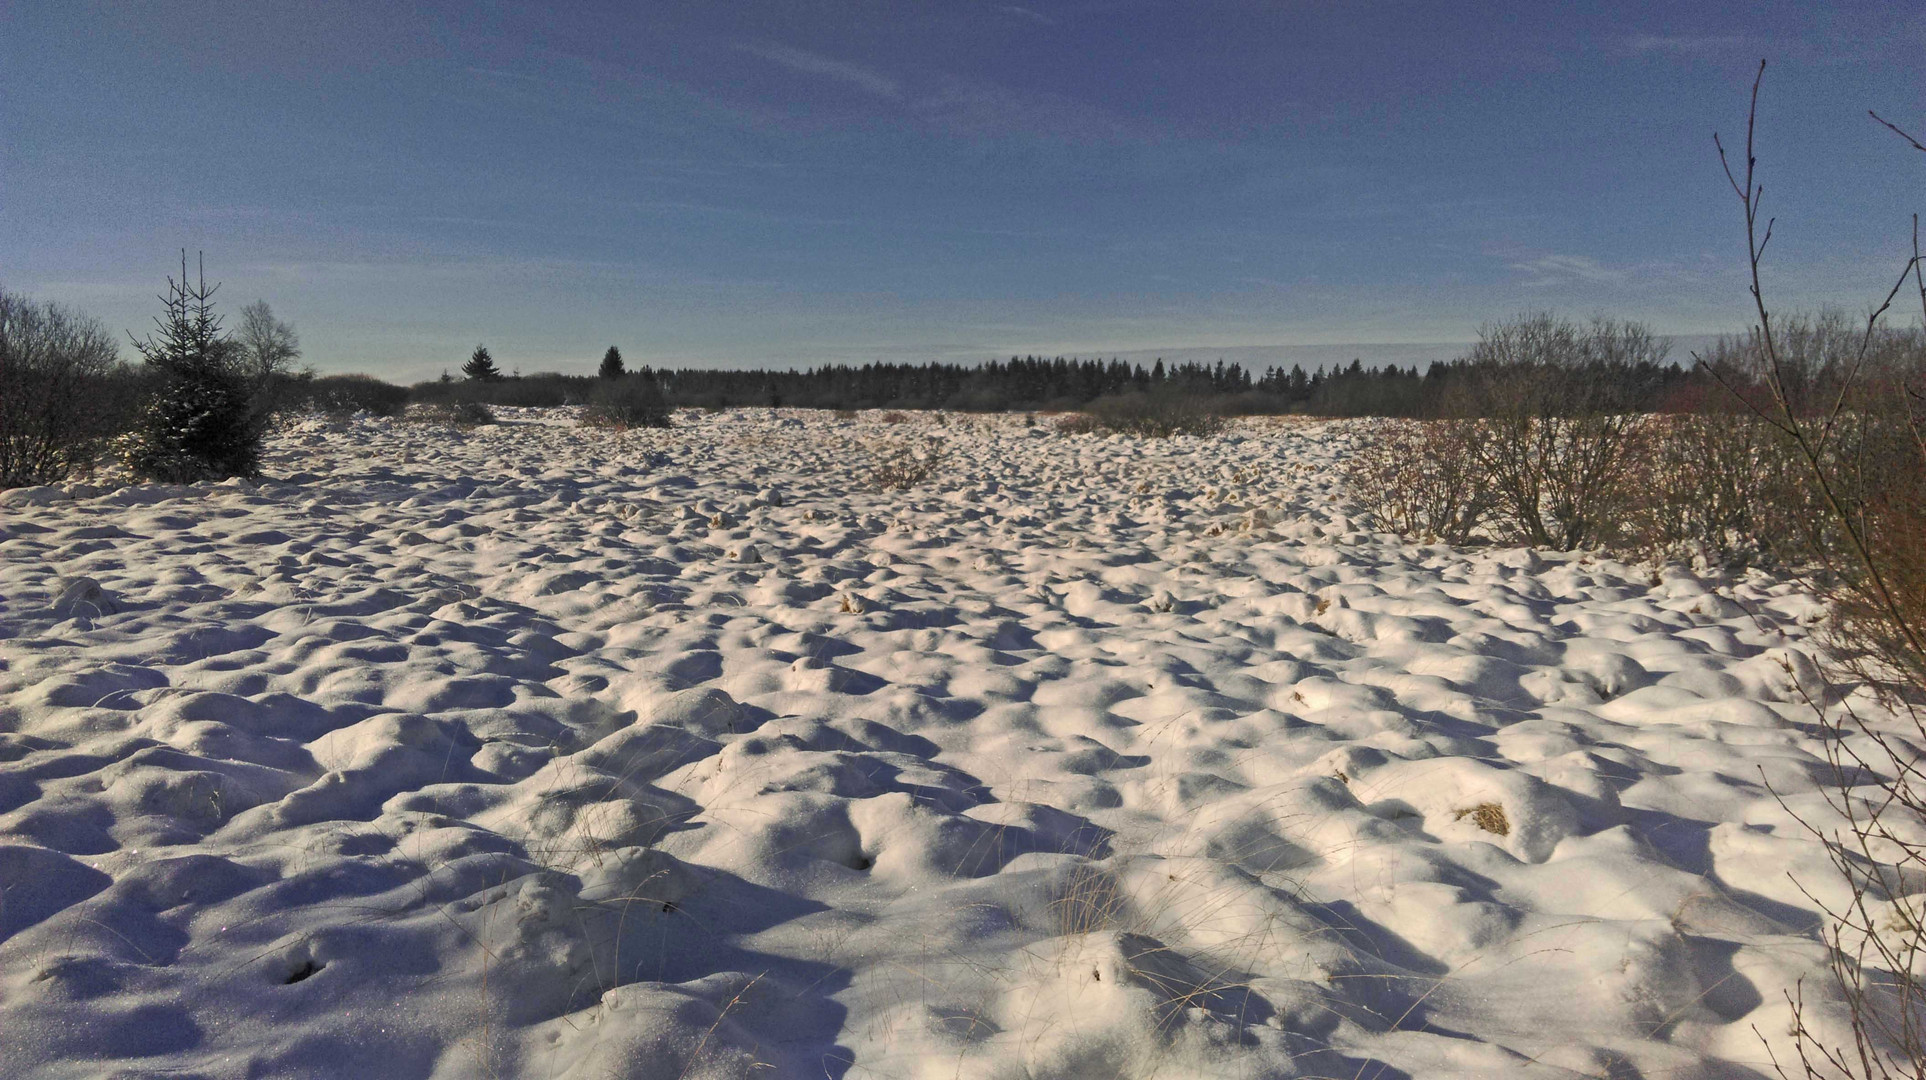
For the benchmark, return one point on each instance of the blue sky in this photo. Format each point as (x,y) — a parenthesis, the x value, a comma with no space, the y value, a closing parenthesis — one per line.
(792,181)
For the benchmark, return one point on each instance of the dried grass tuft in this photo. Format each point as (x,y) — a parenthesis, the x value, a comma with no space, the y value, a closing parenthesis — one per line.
(1487,816)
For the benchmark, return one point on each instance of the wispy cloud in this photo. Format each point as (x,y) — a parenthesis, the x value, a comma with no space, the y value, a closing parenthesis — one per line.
(1554,269)
(1648,277)
(808,63)
(1026,13)
(502,74)
(977,107)
(1691,44)
(966,106)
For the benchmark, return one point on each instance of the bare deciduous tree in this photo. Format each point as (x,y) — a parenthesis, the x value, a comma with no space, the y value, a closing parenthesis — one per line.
(267,346)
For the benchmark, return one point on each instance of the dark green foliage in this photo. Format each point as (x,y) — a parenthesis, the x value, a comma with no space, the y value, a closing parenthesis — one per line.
(481,366)
(1031,383)
(628,402)
(198,428)
(611,364)
(1035,383)
(541,391)
(202,423)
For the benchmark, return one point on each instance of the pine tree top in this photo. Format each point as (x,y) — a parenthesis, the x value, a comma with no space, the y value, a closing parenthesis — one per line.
(481,366)
(188,335)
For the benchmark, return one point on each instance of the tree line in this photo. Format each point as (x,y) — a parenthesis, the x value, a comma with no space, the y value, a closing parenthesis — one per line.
(1033,383)
(199,403)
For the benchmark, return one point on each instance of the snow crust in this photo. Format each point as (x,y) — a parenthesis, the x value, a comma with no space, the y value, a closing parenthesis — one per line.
(540,751)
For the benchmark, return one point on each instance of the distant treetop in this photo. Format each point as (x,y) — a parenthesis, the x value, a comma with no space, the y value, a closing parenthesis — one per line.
(481,366)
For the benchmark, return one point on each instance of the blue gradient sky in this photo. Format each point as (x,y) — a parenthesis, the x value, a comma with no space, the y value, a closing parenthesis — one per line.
(771,182)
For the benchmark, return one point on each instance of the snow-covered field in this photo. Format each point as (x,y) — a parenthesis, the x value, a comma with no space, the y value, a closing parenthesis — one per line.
(550,752)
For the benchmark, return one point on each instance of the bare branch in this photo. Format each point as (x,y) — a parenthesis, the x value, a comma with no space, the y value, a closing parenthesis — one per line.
(1894,128)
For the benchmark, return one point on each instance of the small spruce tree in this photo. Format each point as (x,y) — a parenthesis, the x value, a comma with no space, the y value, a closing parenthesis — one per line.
(481,366)
(201,424)
(611,364)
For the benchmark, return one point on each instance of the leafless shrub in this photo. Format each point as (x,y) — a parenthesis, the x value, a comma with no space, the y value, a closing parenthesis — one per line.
(899,466)
(1076,424)
(894,417)
(461,414)
(1556,403)
(53,363)
(1154,416)
(346,395)
(1716,487)
(1420,478)
(626,401)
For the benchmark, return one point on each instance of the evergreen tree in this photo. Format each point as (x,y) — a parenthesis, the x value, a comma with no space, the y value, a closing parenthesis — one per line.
(611,364)
(201,425)
(481,366)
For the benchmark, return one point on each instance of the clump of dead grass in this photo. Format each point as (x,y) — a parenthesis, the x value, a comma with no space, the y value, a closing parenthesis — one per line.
(1488,816)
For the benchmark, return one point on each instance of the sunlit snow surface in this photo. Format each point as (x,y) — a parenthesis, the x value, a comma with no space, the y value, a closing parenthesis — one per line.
(550,752)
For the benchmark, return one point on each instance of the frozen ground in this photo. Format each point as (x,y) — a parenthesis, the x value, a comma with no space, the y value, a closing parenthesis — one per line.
(547,752)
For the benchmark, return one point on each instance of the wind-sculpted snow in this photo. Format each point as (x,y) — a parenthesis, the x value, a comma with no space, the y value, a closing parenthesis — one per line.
(540,751)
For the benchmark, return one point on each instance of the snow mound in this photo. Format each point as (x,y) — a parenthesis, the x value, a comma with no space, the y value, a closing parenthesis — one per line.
(550,751)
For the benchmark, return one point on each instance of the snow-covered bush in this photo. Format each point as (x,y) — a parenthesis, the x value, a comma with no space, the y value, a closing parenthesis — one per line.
(197,427)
